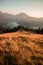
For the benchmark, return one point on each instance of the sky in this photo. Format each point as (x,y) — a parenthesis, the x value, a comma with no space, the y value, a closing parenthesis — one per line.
(33,8)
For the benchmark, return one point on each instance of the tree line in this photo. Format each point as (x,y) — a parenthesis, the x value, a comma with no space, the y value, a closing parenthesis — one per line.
(4,29)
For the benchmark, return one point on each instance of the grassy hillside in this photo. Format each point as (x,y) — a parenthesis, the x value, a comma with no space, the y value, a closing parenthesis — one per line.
(21,48)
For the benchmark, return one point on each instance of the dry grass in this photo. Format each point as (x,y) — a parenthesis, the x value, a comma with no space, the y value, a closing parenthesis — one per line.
(21,48)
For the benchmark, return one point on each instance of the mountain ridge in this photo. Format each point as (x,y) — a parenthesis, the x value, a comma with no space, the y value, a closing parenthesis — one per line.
(21,13)
(22,19)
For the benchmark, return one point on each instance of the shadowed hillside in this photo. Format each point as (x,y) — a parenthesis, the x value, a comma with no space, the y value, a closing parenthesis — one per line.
(21,48)
(14,27)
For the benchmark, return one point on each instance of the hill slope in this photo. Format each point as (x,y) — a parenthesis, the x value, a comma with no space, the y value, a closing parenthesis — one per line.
(21,48)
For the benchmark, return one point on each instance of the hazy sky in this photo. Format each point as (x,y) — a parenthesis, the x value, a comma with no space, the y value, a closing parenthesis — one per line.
(31,7)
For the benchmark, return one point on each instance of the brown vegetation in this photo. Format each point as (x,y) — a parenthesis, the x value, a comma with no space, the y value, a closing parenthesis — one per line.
(21,48)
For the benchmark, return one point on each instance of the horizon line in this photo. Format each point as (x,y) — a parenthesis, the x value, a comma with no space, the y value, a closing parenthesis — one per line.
(19,13)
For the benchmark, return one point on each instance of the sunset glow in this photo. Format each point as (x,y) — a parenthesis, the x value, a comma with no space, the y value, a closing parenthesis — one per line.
(32,8)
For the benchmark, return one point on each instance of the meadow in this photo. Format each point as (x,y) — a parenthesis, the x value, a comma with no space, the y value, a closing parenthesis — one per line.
(21,48)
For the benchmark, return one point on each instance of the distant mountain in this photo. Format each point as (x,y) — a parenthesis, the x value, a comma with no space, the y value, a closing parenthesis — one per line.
(23,15)
(22,19)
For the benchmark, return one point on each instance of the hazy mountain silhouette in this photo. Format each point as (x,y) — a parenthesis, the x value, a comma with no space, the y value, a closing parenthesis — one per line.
(22,19)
